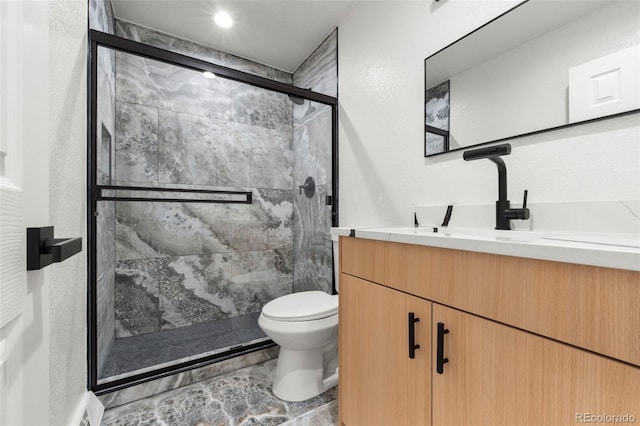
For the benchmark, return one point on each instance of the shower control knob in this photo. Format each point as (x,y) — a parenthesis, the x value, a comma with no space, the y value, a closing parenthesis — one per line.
(309,187)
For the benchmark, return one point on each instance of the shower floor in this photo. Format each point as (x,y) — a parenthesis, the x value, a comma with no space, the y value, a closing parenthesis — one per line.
(137,354)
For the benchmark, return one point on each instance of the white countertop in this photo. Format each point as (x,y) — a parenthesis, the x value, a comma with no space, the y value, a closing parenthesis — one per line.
(607,250)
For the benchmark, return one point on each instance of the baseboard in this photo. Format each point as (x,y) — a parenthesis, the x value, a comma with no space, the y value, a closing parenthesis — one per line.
(89,412)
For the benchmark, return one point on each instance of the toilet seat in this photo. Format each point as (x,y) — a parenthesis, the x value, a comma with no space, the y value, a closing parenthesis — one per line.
(302,306)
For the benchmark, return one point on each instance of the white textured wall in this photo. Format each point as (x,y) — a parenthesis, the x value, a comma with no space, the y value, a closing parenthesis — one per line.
(383,174)
(67,203)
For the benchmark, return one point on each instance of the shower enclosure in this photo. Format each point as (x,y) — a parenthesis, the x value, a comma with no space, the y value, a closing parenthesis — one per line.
(201,207)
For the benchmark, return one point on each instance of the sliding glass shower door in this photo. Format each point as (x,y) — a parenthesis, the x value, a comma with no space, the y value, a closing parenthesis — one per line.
(197,219)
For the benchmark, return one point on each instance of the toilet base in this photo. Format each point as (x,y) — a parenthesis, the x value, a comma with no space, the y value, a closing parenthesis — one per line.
(299,375)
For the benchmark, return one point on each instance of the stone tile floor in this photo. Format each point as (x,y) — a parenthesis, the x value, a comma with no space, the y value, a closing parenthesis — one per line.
(239,398)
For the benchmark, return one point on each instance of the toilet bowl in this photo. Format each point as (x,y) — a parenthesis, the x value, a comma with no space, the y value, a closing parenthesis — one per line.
(305,325)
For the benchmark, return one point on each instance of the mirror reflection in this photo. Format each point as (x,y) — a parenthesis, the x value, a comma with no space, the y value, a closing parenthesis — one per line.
(580,61)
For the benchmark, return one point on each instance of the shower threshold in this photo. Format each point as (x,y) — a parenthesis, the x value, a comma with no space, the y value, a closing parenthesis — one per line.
(140,354)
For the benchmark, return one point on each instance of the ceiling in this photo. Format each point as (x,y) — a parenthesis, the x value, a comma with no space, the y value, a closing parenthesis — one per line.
(278,33)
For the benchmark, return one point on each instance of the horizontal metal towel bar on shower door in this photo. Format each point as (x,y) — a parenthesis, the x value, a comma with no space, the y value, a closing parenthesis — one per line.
(180,195)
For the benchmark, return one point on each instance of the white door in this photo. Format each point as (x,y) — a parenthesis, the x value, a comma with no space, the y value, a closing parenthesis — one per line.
(24,201)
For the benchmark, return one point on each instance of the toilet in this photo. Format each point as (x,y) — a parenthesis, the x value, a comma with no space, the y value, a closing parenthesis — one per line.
(305,325)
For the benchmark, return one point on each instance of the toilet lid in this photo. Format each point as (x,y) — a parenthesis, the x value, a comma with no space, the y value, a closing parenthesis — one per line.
(302,306)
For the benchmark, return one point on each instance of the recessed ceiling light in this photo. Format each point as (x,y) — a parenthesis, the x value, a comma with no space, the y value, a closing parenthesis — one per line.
(209,74)
(223,19)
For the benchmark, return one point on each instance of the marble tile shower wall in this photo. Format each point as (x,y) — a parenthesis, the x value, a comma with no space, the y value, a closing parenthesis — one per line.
(174,44)
(313,258)
(179,264)
(101,18)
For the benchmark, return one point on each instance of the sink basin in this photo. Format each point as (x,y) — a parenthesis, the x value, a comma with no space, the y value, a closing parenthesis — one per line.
(617,240)
(495,234)
(624,241)
(466,233)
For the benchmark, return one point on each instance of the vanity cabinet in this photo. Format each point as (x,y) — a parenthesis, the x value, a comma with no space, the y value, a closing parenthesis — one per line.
(375,335)
(499,375)
(569,349)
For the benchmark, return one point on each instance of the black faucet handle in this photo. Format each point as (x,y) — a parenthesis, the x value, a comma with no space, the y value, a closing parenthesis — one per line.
(521,213)
(447,216)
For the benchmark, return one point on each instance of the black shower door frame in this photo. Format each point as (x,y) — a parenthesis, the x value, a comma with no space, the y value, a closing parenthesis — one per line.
(94,192)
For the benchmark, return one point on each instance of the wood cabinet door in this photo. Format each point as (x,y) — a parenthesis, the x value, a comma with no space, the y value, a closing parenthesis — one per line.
(499,375)
(379,383)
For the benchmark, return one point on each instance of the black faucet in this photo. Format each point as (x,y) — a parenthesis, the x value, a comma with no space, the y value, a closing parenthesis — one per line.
(504,212)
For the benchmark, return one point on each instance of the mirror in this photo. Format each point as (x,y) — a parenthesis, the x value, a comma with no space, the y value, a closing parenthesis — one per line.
(540,65)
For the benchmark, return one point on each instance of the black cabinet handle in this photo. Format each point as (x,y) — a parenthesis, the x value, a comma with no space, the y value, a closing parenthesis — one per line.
(440,359)
(412,335)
